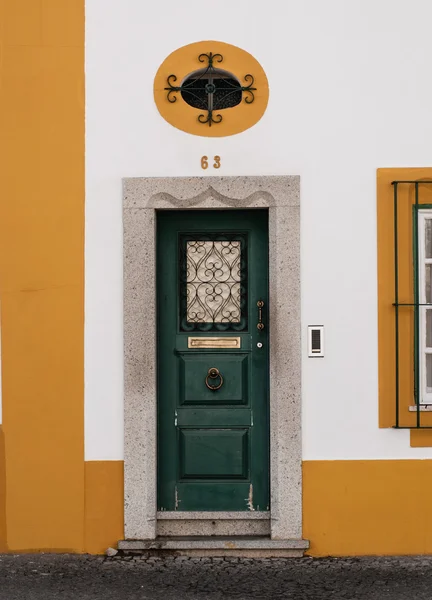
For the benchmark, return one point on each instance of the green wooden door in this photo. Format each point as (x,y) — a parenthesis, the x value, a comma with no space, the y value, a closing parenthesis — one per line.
(212,314)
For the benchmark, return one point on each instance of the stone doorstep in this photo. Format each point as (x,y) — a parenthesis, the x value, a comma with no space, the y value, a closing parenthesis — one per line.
(221,545)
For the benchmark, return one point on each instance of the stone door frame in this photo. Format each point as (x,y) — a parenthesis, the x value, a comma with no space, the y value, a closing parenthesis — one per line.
(141,198)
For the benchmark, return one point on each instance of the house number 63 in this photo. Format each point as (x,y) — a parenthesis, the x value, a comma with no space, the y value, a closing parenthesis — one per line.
(216,164)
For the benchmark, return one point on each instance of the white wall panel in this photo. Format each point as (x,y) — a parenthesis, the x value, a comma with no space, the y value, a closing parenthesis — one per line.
(349,92)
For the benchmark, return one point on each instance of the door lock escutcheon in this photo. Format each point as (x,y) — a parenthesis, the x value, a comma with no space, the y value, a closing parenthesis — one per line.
(260,324)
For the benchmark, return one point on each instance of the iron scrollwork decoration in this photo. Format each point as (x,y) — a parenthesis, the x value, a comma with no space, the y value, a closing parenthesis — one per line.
(213,283)
(211,89)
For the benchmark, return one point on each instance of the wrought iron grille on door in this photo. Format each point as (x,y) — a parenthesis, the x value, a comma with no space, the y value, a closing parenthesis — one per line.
(213,283)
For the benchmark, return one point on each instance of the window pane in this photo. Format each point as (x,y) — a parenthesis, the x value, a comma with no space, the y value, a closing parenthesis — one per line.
(213,281)
(428,238)
(428,279)
(428,328)
(429,373)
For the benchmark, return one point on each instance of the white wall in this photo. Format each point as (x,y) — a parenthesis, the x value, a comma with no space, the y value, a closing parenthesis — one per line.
(350,91)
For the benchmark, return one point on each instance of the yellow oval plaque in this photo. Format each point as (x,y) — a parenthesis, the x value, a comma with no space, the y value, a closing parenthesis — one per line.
(226,84)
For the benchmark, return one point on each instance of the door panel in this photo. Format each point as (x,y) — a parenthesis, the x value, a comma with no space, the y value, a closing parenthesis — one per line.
(212,270)
(195,367)
(209,453)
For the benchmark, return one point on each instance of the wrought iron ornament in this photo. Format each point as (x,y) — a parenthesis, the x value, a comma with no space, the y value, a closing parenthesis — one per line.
(211,89)
(213,283)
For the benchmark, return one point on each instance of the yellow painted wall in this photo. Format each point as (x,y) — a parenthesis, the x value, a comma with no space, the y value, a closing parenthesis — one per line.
(367,507)
(3,533)
(49,499)
(42,270)
(104,505)
(421,438)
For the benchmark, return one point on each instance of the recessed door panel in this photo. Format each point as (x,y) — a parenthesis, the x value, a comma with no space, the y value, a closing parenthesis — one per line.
(198,385)
(214,453)
(212,310)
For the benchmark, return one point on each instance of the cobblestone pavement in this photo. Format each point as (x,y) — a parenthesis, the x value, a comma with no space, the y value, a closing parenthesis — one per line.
(52,577)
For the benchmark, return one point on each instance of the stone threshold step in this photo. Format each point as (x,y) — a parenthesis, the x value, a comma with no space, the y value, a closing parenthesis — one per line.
(214,543)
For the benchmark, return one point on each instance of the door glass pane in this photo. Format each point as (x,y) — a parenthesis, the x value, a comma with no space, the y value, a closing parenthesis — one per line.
(428,238)
(213,283)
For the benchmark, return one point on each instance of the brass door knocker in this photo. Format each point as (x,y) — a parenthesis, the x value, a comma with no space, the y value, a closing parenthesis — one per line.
(213,373)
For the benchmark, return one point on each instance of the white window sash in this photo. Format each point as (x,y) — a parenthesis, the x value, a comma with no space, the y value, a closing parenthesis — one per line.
(423,216)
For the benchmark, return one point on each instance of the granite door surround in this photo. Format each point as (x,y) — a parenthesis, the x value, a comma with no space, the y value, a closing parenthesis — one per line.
(141,198)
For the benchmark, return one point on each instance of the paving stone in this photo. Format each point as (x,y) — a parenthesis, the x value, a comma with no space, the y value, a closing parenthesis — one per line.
(67,577)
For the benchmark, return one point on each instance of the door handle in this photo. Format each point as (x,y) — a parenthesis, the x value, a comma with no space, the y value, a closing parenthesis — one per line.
(260,324)
(213,373)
